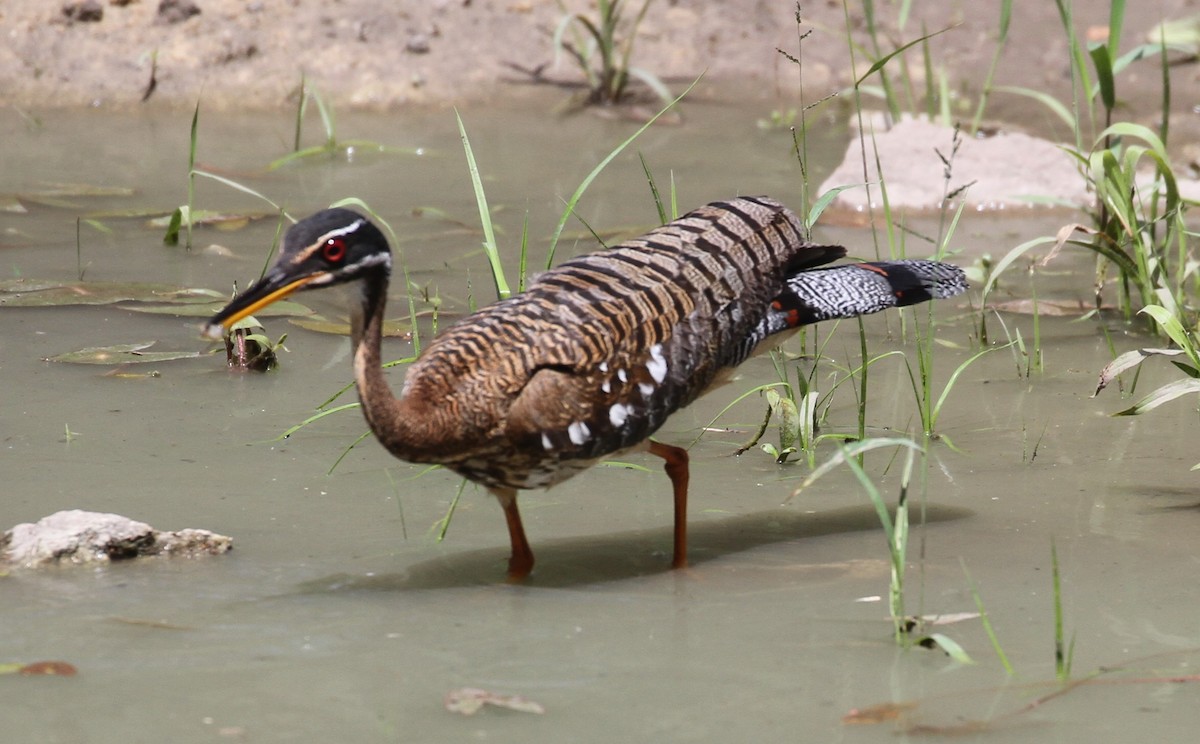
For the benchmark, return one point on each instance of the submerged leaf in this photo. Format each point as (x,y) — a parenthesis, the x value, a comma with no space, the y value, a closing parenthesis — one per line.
(57,293)
(48,668)
(878,713)
(121,354)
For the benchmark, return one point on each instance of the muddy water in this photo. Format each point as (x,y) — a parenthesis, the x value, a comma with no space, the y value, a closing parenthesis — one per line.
(339,617)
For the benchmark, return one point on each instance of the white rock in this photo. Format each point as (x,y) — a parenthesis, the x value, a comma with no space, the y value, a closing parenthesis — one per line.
(78,536)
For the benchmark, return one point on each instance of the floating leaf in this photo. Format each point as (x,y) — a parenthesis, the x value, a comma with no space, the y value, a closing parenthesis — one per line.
(58,190)
(128,213)
(58,195)
(469,700)
(221,220)
(57,293)
(320,324)
(122,354)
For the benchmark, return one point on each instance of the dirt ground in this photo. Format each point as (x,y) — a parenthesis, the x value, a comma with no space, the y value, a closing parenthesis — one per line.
(364,53)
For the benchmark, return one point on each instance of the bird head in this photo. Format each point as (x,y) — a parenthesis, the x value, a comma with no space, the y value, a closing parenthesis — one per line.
(331,247)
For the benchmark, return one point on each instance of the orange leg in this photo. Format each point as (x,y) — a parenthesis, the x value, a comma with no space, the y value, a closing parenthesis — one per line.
(676,466)
(520,562)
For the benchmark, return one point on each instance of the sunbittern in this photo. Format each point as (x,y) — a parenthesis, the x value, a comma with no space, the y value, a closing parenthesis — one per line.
(595,355)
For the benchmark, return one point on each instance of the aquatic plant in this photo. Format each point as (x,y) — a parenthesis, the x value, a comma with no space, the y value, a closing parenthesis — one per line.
(602,53)
(1187,345)
(331,145)
(1137,225)
(186,216)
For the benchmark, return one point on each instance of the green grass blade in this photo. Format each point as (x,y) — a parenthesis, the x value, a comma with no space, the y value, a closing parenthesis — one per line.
(1116,21)
(937,407)
(823,202)
(1174,329)
(1164,394)
(313,419)
(301,105)
(1050,102)
(191,190)
(658,202)
(852,451)
(242,188)
(1062,663)
(879,63)
(587,181)
(987,622)
(733,403)
(443,525)
(346,451)
(1102,61)
(1001,42)
(485,215)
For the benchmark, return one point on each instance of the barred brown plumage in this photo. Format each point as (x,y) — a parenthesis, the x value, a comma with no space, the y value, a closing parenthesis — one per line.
(595,355)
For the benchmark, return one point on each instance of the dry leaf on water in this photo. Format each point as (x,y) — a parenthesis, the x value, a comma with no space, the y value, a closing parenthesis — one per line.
(469,700)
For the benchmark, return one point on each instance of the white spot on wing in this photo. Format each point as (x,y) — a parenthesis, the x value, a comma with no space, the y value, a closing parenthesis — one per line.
(546,443)
(646,389)
(606,387)
(579,433)
(603,366)
(657,366)
(618,413)
(622,375)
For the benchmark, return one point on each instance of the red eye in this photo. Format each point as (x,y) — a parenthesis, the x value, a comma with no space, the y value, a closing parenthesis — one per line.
(334,250)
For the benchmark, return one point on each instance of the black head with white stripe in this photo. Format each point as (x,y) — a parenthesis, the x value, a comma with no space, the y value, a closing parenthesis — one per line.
(331,247)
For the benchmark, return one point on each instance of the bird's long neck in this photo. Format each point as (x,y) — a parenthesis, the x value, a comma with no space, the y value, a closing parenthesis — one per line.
(423,426)
(387,415)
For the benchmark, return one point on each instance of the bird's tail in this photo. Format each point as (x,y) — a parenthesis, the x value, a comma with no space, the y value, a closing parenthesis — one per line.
(851,290)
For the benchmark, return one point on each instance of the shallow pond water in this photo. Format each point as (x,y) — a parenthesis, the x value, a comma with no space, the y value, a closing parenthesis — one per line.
(340,617)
